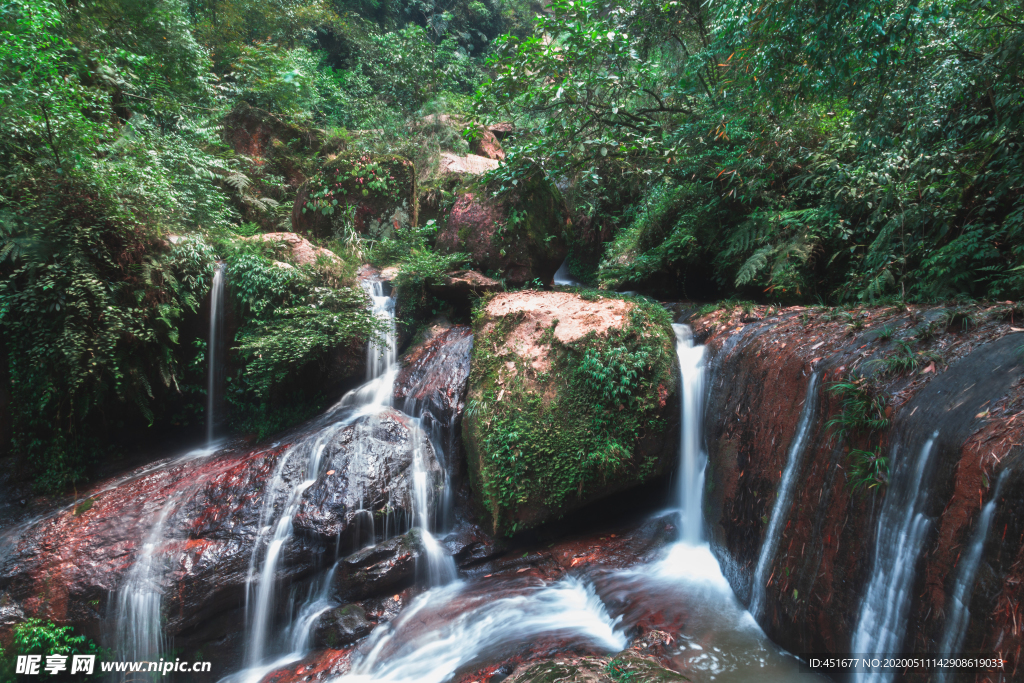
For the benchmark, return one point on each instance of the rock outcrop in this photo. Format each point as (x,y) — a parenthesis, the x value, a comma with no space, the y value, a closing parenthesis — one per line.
(299,250)
(572,399)
(521,236)
(961,383)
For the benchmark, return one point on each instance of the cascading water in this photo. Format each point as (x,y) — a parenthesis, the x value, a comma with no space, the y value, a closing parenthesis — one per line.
(957,612)
(901,531)
(563,278)
(285,496)
(693,460)
(139,632)
(783,497)
(216,329)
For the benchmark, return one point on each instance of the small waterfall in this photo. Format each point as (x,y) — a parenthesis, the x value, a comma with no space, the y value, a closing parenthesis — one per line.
(216,332)
(563,278)
(381,354)
(693,459)
(440,567)
(263,605)
(902,527)
(139,634)
(784,496)
(957,612)
(284,499)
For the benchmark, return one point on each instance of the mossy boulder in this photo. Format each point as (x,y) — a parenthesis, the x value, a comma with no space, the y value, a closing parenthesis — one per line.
(572,397)
(375,194)
(519,236)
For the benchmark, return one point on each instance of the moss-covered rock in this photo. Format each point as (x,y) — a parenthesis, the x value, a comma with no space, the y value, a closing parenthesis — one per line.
(375,194)
(572,398)
(624,667)
(520,236)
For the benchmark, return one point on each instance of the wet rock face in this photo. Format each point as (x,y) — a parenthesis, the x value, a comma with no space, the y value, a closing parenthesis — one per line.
(551,431)
(521,236)
(434,375)
(341,626)
(366,482)
(383,568)
(967,385)
(67,567)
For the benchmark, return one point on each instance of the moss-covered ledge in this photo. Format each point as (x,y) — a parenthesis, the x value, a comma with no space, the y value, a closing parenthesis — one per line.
(572,397)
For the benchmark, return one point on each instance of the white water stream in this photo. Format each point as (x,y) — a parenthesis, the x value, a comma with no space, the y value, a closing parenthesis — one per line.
(216,332)
(957,612)
(902,528)
(783,497)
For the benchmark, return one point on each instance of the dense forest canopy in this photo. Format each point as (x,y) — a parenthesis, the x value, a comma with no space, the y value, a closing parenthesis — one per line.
(792,151)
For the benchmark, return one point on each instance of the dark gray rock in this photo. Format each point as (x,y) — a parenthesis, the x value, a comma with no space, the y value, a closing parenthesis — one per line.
(384,568)
(341,626)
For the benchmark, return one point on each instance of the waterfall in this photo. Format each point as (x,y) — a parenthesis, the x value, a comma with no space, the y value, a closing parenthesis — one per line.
(139,632)
(784,496)
(901,531)
(284,499)
(692,457)
(216,327)
(957,612)
(562,276)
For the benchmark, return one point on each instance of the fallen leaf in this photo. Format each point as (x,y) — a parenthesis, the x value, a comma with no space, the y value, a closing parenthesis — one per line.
(815,360)
(983,414)
(817,345)
(524,569)
(330,472)
(930,368)
(1016,329)
(500,394)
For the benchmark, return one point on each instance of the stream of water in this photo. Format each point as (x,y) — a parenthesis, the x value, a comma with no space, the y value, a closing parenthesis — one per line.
(783,497)
(902,528)
(212,354)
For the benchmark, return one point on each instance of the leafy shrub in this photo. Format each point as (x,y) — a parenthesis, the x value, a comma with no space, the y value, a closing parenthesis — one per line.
(36,637)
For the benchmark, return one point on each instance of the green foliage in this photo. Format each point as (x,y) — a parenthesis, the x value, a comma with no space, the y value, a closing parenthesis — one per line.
(868,469)
(544,438)
(861,418)
(36,637)
(862,407)
(846,151)
(294,319)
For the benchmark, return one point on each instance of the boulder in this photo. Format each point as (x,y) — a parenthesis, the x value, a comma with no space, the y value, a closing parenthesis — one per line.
(366,485)
(432,383)
(486,145)
(520,235)
(461,166)
(374,194)
(300,250)
(341,626)
(463,284)
(966,393)
(381,569)
(574,398)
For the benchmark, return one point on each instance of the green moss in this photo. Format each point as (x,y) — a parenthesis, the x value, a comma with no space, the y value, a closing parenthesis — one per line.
(540,440)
